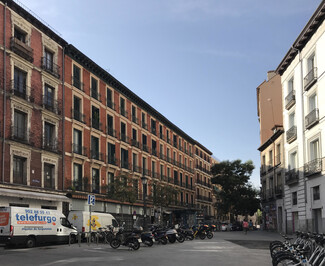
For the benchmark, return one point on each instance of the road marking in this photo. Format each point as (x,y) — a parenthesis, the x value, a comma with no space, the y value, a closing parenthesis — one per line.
(84,259)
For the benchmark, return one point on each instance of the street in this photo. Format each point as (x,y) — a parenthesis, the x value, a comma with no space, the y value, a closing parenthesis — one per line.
(225,248)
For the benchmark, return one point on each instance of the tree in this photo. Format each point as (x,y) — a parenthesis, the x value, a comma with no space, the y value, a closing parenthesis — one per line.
(237,196)
(123,189)
(163,195)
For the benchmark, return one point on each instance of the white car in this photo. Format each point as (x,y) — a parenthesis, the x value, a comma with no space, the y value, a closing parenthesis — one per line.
(225,227)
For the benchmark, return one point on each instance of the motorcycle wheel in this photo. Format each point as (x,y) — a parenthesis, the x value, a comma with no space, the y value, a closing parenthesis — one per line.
(202,236)
(180,238)
(190,237)
(149,242)
(115,243)
(172,239)
(210,235)
(163,241)
(136,245)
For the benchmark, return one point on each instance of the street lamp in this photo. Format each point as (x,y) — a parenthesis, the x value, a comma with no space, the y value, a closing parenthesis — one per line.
(144,183)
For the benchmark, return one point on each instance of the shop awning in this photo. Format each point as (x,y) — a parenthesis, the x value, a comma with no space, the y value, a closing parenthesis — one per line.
(32,195)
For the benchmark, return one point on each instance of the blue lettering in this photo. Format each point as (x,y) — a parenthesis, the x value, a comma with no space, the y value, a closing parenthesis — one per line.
(54,219)
(17,217)
(35,211)
(22,217)
(48,219)
(35,217)
(31,218)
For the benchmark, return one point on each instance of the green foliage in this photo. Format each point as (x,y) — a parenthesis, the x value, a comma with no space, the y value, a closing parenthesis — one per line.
(237,195)
(122,189)
(163,196)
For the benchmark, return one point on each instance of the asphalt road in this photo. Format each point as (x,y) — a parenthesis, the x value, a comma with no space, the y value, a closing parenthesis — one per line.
(226,248)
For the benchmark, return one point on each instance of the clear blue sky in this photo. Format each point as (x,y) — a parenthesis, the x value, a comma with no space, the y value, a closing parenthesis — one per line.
(198,62)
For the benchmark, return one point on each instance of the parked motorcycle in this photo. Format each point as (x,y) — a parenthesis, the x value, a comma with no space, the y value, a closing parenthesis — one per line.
(199,231)
(159,235)
(187,233)
(129,239)
(147,238)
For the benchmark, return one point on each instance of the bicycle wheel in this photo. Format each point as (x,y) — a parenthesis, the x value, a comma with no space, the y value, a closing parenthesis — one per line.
(286,260)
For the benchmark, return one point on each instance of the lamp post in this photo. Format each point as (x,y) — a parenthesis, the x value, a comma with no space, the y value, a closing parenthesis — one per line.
(144,184)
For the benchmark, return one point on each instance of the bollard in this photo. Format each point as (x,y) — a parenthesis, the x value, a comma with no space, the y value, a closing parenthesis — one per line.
(69,239)
(79,239)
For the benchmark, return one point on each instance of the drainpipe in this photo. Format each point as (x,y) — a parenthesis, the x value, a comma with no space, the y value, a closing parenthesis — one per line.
(63,118)
(4,94)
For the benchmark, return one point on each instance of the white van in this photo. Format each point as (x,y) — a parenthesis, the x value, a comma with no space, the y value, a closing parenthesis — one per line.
(29,226)
(80,219)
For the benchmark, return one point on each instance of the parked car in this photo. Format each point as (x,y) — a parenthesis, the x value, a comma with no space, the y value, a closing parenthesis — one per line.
(225,227)
(237,226)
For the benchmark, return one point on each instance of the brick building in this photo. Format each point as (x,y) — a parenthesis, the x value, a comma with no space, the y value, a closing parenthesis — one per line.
(76,139)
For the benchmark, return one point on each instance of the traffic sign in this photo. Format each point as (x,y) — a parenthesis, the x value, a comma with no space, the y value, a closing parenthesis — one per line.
(91,200)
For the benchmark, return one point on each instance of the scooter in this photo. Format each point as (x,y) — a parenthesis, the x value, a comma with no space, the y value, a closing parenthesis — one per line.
(147,238)
(159,235)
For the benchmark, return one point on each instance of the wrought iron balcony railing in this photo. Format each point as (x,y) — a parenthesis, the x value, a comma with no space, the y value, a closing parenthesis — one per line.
(22,49)
(77,115)
(290,99)
(111,160)
(96,155)
(95,123)
(111,132)
(291,134)
(95,94)
(76,82)
(312,118)
(135,143)
(313,167)
(144,125)
(123,112)
(50,144)
(110,104)
(50,67)
(292,176)
(135,119)
(22,91)
(51,105)
(310,78)
(79,149)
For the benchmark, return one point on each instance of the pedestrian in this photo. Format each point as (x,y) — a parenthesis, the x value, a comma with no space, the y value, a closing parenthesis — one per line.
(245,226)
(250,225)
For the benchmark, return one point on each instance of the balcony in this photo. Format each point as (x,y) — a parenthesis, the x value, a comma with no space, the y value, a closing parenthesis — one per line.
(125,164)
(155,175)
(278,159)
(312,118)
(292,177)
(310,79)
(162,156)
(51,105)
(278,191)
(137,169)
(263,170)
(110,104)
(111,160)
(175,144)
(50,144)
(313,167)
(19,133)
(153,131)
(20,90)
(96,124)
(22,49)
(135,119)
(203,198)
(111,132)
(291,134)
(144,125)
(124,138)
(96,155)
(79,149)
(146,172)
(77,115)
(123,112)
(176,182)
(135,143)
(161,135)
(154,152)
(145,148)
(50,67)
(270,193)
(76,82)
(95,94)
(168,140)
(290,99)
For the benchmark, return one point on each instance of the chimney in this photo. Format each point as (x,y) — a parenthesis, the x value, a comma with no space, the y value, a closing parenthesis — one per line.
(270,74)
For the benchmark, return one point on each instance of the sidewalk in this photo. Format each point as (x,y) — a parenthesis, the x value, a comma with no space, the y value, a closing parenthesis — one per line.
(251,235)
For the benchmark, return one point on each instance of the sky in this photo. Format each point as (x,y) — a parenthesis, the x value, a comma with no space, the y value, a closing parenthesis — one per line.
(197,62)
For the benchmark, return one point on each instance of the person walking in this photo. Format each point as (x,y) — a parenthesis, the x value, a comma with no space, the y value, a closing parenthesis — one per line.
(250,225)
(245,226)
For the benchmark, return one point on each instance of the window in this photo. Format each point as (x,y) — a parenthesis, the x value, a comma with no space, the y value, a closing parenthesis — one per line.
(311,63)
(134,114)
(95,118)
(77,141)
(290,85)
(316,193)
(48,99)
(111,153)
(293,160)
(94,148)
(143,119)
(314,150)
(124,158)
(110,182)
(144,165)
(95,180)
(123,132)
(291,120)
(110,126)
(77,176)
(94,88)
(167,135)
(48,60)
(20,82)
(49,140)
(154,147)
(134,134)
(180,178)
(144,143)
(278,153)
(312,102)
(168,172)
(49,177)
(19,170)
(122,107)
(109,99)
(20,125)
(77,77)
(20,35)
(294,198)
(175,141)
(161,170)
(135,162)
(271,158)
(161,131)
(77,114)
(175,177)
(153,126)
(153,168)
